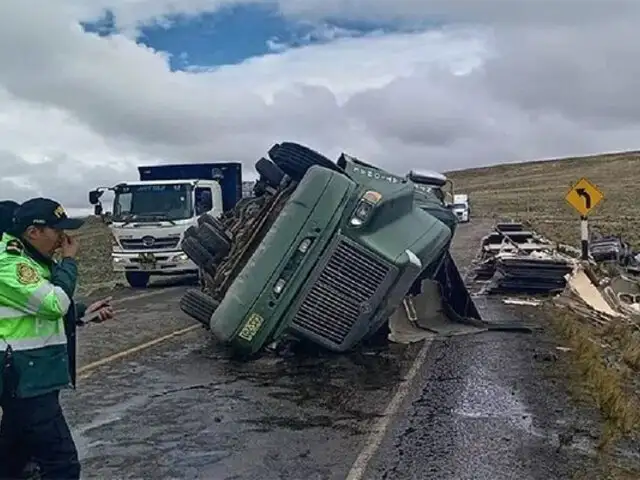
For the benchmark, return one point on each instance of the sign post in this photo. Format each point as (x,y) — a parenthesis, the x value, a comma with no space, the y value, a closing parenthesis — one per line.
(583,197)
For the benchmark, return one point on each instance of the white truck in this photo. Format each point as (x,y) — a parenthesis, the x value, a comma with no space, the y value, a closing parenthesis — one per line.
(151,215)
(461,207)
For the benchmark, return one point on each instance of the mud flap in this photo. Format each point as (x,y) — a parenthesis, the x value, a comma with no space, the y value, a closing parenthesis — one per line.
(454,291)
(442,307)
(428,315)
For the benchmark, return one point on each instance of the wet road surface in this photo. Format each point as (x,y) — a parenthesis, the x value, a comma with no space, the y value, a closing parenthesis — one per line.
(481,406)
(489,406)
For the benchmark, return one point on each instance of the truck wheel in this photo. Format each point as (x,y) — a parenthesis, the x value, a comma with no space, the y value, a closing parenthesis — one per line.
(191,232)
(214,222)
(198,305)
(295,159)
(269,172)
(218,243)
(137,279)
(260,188)
(198,254)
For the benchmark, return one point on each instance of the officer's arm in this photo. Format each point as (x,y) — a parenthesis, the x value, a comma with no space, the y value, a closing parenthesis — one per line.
(65,275)
(81,309)
(26,292)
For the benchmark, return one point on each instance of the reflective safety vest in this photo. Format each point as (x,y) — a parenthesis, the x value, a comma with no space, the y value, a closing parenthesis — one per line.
(32,312)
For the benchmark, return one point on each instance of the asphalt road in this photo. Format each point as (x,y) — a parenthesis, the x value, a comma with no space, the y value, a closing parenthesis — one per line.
(487,406)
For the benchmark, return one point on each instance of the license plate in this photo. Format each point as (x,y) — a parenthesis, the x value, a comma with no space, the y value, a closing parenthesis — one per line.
(148,259)
(251,327)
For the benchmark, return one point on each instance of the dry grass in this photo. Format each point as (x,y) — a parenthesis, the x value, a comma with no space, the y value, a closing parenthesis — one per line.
(535,192)
(602,374)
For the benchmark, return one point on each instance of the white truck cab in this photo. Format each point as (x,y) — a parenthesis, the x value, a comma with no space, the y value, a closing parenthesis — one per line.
(149,220)
(461,207)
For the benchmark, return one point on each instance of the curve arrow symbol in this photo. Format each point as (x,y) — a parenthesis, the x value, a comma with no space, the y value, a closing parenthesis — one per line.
(587,198)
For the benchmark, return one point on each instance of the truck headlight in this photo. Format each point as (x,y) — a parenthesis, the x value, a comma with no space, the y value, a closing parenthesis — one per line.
(279,286)
(304,245)
(181,257)
(364,208)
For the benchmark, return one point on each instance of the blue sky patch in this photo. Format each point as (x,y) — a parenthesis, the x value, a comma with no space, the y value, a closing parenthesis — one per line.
(235,33)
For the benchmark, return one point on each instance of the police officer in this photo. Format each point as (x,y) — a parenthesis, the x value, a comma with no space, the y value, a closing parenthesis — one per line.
(38,320)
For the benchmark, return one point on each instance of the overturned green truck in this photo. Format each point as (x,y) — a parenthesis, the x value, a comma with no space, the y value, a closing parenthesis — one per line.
(323,252)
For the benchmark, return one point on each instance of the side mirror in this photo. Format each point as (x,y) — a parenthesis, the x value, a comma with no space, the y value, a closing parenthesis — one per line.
(97,210)
(427,177)
(94,197)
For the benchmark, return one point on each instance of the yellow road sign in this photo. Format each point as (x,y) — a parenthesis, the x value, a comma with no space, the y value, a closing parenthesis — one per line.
(584,196)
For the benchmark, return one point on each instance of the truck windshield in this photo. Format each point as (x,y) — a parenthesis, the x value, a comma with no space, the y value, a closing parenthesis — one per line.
(152,202)
(460,206)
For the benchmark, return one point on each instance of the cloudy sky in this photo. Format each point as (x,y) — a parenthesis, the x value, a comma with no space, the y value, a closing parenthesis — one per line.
(91,88)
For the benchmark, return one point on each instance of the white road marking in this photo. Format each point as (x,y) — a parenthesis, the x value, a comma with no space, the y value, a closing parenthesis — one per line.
(374,440)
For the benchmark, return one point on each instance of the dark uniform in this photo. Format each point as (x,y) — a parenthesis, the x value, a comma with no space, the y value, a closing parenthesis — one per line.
(38,319)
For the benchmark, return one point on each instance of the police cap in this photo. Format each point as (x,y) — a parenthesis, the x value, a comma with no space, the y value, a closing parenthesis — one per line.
(43,212)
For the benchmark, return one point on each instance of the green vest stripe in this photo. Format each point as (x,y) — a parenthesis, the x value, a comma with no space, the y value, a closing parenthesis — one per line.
(10,313)
(34,343)
(39,296)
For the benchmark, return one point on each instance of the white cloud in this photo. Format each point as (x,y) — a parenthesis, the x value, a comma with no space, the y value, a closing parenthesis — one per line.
(77,110)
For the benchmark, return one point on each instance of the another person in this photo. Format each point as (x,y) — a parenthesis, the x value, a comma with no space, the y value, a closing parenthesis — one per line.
(38,319)
(7,209)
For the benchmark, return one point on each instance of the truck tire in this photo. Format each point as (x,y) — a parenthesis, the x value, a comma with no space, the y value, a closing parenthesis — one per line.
(191,232)
(295,159)
(269,172)
(259,188)
(214,222)
(216,242)
(198,305)
(137,279)
(198,254)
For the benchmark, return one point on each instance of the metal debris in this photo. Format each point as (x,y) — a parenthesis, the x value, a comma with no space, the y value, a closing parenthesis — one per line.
(610,249)
(517,260)
(522,301)
(584,298)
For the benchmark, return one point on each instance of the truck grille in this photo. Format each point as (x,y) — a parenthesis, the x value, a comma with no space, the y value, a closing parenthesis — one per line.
(344,292)
(150,243)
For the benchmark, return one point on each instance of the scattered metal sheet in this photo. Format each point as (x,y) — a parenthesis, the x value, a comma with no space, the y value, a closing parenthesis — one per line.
(610,249)
(522,301)
(516,260)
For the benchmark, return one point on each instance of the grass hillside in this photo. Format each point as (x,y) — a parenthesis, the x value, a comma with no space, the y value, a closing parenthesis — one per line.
(535,192)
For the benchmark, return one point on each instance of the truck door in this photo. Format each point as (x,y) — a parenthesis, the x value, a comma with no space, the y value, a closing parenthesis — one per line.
(208,199)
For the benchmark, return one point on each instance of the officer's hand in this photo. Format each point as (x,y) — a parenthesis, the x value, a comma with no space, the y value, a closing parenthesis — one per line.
(103,308)
(69,247)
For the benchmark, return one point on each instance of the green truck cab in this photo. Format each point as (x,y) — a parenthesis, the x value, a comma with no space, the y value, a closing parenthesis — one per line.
(345,247)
